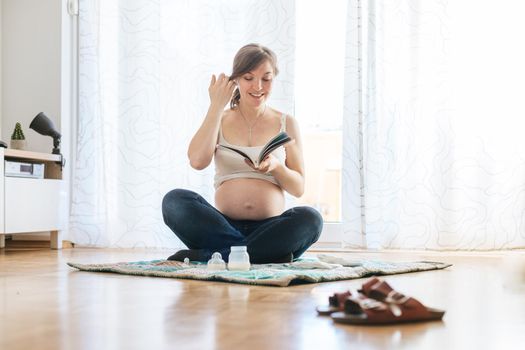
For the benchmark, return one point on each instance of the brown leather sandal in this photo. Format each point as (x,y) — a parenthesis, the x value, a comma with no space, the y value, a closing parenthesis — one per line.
(379,304)
(336,303)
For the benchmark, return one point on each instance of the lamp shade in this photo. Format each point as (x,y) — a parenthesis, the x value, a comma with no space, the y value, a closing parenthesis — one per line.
(44,126)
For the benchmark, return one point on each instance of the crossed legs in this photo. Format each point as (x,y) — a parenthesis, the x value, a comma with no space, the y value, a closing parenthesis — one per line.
(205,230)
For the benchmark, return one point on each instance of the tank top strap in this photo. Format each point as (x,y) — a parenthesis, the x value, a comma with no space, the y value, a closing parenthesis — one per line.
(283,122)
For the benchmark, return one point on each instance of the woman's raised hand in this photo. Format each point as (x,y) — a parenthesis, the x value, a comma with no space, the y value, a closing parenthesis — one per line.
(221,90)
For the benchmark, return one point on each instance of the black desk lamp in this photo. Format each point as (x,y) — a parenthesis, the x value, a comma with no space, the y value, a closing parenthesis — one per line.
(44,126)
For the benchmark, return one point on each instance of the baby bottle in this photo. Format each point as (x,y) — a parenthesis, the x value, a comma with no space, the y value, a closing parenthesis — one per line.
(238,260)
(216,263)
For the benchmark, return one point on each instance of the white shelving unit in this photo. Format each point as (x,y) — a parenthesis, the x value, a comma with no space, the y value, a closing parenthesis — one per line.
(32,205)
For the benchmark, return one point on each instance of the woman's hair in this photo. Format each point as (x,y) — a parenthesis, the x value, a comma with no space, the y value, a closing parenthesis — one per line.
(248,58)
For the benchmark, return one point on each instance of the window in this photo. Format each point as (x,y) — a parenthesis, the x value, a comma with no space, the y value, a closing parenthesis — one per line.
(319,81)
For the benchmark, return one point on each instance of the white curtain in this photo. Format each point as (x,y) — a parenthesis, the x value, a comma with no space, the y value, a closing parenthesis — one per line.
(434,120)
(144,73)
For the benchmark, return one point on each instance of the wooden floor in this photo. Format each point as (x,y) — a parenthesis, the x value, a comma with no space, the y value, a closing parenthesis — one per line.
(44,304)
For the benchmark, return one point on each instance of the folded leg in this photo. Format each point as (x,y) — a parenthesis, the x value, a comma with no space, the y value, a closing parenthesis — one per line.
(198,224)
(294,231)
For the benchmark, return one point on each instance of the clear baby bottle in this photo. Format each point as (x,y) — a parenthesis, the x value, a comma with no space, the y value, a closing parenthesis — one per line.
(238,260)
(216,263)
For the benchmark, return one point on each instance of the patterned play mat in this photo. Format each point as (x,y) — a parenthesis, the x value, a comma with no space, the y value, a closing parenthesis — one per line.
(308,270)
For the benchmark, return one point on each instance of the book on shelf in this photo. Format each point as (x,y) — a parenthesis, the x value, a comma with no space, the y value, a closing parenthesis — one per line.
(277,141)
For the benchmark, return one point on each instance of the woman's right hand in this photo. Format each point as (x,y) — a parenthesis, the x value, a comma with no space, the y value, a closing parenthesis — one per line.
(221,90)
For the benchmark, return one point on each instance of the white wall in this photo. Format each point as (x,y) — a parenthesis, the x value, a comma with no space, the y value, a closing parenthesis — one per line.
(30,67)
(38,71)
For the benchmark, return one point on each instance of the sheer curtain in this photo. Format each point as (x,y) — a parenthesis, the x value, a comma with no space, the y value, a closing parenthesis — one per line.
(144,73)
(434,153)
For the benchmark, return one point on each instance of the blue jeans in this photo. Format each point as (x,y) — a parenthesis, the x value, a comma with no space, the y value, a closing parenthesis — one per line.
(200,226)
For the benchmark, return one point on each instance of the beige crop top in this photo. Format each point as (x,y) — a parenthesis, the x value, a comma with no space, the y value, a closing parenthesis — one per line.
(230,165)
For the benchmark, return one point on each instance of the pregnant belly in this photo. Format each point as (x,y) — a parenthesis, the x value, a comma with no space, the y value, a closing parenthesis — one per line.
(249,199)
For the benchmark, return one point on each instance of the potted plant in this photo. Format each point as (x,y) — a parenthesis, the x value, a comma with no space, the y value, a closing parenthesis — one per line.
(18,140)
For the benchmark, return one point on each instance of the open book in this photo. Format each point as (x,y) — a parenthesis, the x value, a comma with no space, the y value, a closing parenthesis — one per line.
(276,142)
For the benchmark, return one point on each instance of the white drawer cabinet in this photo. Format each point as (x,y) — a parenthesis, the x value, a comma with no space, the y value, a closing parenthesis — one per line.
(32,205)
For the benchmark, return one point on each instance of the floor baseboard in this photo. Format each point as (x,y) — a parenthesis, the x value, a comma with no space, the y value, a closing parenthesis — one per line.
(11,244)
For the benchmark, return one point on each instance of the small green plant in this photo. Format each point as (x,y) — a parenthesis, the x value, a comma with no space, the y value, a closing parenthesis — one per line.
(18,134)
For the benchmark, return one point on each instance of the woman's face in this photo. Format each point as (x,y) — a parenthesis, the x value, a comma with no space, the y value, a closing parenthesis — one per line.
(256,85)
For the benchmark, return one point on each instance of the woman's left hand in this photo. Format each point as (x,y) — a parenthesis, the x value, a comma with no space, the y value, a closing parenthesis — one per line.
(268,164)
